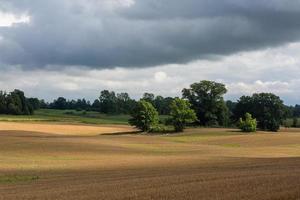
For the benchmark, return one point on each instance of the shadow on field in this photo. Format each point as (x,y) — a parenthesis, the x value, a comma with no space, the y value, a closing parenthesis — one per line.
(229,179)
(123,133)
(25,134)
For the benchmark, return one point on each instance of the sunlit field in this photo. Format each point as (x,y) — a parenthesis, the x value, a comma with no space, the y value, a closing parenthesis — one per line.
(149,100)
(46,160)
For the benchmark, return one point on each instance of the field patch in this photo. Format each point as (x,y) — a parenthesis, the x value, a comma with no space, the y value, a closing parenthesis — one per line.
(12,179)
(231,145)
(65,129)
(78,162)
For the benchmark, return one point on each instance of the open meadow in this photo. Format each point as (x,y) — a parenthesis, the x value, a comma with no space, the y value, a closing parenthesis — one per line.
(50,160)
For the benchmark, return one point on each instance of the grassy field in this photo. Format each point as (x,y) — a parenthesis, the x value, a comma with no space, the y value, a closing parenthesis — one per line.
(68,116)
(44,160)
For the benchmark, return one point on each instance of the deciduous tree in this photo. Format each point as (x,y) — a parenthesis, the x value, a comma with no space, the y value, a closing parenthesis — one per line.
(267,108)
(207,100)
(181,114)
(144,116)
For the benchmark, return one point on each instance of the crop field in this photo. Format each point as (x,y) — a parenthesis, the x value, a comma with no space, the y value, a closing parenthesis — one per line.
(51,160)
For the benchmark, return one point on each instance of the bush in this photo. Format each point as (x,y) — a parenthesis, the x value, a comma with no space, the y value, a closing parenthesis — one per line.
(161,129)
(144,116)
(249,124)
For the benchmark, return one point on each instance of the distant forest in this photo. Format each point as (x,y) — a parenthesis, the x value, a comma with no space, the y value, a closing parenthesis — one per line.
(206,98)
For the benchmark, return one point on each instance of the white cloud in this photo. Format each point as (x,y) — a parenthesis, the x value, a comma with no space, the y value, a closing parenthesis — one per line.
(277,87)
(160,77)
(8,19)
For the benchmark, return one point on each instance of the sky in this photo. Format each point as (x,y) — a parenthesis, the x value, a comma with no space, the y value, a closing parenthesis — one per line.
(76,48)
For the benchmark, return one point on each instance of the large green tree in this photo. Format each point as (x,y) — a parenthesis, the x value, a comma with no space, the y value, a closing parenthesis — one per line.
(267,108)
(144,116)
(124,103)
(111,103)
(60,103)
(108,102)
(161,104)
(296,111)
(3,102)
(34,103)
(207,100)
(148,97)
(181,114)
(18,104)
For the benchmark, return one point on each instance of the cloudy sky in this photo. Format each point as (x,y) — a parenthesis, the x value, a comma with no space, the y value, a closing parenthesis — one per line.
(76,48)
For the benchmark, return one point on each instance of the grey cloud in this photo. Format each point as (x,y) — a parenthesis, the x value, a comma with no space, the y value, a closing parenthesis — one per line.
(274,70)
(97,34)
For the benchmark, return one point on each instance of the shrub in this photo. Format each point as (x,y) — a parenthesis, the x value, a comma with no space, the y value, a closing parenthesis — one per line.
(249,124)
(161,129)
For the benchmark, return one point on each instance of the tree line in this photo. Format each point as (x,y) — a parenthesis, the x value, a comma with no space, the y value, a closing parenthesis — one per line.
(205,98)
(110,102)
(16,103)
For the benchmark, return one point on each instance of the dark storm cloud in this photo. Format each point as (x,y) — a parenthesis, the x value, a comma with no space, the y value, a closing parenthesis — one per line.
(110,33)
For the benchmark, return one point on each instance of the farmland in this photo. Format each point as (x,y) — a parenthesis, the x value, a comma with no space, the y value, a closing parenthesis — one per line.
(55,160)
(149,100)
(67,116)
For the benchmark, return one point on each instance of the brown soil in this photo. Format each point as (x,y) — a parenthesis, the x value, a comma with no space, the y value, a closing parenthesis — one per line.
(193,166)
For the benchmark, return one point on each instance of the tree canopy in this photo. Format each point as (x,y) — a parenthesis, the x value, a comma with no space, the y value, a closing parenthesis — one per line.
(16,103)
(181,114)
(267,108)
(207,100)
(144,116)
(204,98)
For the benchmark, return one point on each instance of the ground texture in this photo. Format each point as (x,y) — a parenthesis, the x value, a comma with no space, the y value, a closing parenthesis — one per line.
(79,162)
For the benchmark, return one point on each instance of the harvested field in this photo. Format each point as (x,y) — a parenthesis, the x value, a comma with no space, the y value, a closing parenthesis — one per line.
(65,129)
(199,164)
